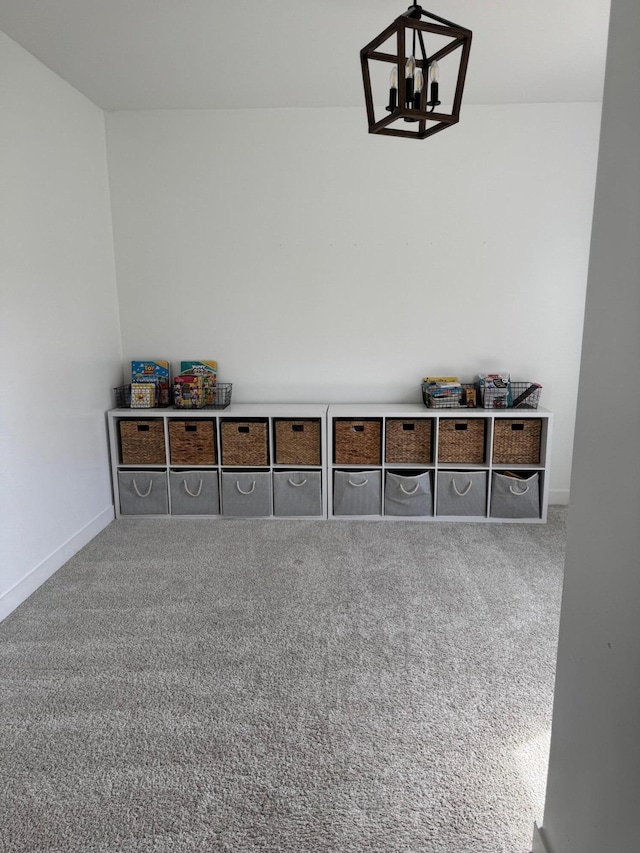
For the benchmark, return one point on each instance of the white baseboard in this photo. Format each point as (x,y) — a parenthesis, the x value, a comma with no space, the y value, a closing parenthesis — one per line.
(559,497)
(539,844)
(20,591)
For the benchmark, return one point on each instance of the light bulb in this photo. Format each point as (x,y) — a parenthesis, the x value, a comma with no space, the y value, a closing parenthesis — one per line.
(410,67)
(434,72)
(393,89)
(418,80)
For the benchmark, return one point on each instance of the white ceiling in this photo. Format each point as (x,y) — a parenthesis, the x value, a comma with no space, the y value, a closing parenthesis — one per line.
(166,54)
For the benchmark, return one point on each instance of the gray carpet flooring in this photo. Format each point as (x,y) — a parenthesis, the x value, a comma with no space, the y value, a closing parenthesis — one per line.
(283,686)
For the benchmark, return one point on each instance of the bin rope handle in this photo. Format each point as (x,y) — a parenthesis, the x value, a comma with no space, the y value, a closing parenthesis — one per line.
(407,492)
(139,493)
(193,494)
(516,492)
(357,485)
(251,490)
(303,483)
(466,491)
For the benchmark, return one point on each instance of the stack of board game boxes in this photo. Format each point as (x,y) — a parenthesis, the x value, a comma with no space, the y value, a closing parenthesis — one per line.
(193,388)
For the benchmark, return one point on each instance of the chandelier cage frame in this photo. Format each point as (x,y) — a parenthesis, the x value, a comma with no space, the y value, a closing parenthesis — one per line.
(409,29)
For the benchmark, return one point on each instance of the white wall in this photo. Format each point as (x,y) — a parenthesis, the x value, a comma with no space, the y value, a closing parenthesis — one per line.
(318,263)
(59,332)
(593,788)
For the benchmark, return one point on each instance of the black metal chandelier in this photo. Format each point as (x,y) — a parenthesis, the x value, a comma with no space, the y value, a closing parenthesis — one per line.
(413,86)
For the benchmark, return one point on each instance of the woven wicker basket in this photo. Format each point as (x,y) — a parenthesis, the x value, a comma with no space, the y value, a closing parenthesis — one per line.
(461,440)
(297,442)
(192,442)
(408,440)
(244,443)
(142,442)
(517,441)
(358,442)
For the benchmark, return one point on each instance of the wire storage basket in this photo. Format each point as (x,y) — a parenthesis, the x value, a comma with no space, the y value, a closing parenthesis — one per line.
(525,395)
(221,396)
(123,396)
(515,394)
(466,398)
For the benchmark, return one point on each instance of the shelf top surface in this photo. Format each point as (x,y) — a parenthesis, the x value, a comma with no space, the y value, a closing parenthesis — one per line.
(405,410)
(235,410)
(337,410)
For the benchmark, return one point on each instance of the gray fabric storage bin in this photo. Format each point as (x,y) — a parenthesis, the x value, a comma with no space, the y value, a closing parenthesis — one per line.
(143,492)
(246,493)
(297,493)
(194,492)
(357,493)
(512,497)
(405,495)
(462,493)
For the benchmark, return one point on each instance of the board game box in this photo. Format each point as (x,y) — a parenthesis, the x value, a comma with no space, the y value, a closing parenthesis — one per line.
(495,390)
(209,372)
(188,391)
(143,395)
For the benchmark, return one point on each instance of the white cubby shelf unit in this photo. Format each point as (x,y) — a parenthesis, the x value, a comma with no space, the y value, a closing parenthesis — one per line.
(248,460)
(365,479)
(336,461)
